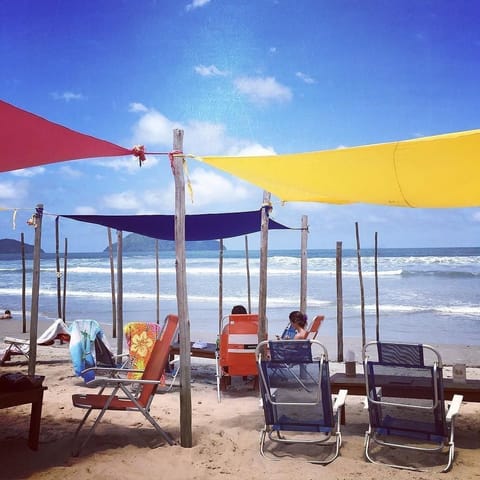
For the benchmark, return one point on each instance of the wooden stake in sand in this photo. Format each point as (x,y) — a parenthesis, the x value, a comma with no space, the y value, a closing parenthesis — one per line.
(119,292)
(262,293)
(24,285)
(339,303)
(157,280)
(377,307)
(36,222)
(249,295)
(112,281)
(59,274)
(220,284)
(303,265)
(362,293)
(64,314)
(182,300)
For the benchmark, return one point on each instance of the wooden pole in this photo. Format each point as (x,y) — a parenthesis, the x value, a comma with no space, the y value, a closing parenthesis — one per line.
(362,293)
(64,316)
(37,223)
(59,274)
(119,292)
(24,285)
(182,299)
(339,302)
(157,280)
(262,294)
(220,285)
(377,307)
(247,261)
(303,265)
(112,281)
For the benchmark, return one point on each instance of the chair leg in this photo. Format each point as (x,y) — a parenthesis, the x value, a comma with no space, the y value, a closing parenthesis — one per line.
(76,450)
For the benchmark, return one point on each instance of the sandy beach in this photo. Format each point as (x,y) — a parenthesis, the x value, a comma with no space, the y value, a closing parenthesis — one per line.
(225,435)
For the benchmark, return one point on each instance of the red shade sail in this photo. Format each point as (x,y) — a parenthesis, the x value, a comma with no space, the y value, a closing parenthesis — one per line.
(27,140)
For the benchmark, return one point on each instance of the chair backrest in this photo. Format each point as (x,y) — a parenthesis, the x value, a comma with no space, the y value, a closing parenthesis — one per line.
(405,395)
(140,337)
(158,358)
(295,385)
(238,341)
(315,325)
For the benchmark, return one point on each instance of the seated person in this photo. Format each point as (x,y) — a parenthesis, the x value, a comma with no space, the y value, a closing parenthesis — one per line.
(296,330)
(6,315)
(239,310)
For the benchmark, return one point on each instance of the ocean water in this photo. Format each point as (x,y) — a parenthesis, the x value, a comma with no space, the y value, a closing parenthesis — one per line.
(425,295)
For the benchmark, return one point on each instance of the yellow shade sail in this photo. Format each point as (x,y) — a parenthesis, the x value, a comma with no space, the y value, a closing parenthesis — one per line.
(438,171)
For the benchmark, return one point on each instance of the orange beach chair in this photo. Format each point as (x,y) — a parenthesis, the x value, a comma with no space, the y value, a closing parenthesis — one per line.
(238,340)
(121,398)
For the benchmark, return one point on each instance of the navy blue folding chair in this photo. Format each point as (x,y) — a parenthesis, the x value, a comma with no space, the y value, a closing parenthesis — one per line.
(297,401)
(406,405)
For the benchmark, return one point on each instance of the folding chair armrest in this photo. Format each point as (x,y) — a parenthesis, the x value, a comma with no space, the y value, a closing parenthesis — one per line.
(110,370)
(125,381)
(17,341)
(454,407)
(121,355)
(123,359)
(340,400)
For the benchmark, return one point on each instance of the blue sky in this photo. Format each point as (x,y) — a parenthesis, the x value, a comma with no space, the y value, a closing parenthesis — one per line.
(263,76)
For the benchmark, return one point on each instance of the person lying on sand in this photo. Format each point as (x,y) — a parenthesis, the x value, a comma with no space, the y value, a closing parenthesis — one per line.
(6,315)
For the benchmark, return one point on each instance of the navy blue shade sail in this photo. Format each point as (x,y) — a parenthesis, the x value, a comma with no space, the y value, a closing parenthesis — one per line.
(212,226)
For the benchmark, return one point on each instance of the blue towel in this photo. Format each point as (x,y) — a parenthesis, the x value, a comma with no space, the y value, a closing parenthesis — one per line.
(289,332)
(82,346)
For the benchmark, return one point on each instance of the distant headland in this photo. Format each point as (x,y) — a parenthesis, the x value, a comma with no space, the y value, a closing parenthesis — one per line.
(8,245)
(139,243)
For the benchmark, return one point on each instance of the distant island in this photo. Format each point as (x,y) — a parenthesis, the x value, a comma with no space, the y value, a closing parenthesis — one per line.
(134,242)
(8,245)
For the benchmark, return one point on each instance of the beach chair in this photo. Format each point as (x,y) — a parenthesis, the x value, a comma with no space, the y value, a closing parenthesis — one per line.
(58,330)
(298,406)
(237,342)
(121,398)
(89,348)
(406,406)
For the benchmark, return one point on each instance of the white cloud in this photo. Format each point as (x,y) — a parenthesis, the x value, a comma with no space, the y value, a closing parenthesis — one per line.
(122,201)
(211,188)
(71,172)
(28,172)
(155,201)
(252,150)
(210,71)
(196,4)
(67,96)
(10,191)
(305,78)
(203,137)
(153,128)
(263,90)
(127,164)
(85,210)
(272,49)
(476,216)
(137,107)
